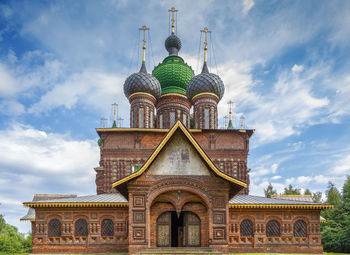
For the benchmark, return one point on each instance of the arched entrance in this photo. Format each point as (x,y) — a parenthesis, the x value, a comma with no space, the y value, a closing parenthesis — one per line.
(178,230)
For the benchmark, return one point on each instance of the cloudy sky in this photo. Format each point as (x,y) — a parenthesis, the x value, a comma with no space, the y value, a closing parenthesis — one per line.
(285,64)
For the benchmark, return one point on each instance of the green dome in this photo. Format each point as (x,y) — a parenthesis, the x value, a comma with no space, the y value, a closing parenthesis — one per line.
(173,75)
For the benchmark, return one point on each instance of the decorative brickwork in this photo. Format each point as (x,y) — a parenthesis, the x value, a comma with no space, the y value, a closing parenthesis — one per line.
(142,110)
(106,230)
(205,112)
(171,108)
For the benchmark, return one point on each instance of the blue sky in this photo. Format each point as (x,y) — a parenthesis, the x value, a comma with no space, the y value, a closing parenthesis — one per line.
(63,63)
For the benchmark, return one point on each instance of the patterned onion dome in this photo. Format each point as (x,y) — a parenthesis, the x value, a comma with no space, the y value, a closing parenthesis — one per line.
(173,75)
(173,44)
(142,82)
(205,82)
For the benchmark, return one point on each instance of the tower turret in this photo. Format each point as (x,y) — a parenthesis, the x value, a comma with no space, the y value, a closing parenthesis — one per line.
(205,91)
(143,90)
(173,75)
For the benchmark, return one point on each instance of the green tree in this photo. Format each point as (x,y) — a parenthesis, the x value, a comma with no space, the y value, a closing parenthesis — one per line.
(307,192)
(2,222)
(269,191)
(316,197)
(336,230)
(11,241)
(333,195)
(291,191)
(346,192)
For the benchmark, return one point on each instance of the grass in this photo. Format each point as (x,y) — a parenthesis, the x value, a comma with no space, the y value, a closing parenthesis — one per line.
(325,253)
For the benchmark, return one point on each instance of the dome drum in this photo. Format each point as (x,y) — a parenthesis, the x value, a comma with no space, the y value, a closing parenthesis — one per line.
(173,107)
(142,110)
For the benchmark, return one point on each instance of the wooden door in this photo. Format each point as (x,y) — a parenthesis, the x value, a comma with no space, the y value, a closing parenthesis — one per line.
(164,230)
(192,230)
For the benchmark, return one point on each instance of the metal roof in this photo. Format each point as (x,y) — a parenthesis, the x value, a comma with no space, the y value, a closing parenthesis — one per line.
(249,199)
(43,197)
(103,198)
(305,198)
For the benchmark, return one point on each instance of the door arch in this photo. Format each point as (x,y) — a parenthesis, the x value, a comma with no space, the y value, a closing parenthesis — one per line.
(178,230)
(164,230)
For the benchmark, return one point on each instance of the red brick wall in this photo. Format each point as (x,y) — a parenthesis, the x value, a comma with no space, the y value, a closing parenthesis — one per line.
(68,242)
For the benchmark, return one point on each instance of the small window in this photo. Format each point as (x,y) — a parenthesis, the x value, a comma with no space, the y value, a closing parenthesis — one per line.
(246,228)
(300,229)
(172,119)
(161,121)
(107,227)
(54,227)
(151,120)
(140,118)
(81,228)
(273,228)
(206,118)
(184,119)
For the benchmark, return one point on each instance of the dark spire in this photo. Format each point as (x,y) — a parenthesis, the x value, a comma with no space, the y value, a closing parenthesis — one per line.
(143,68)
(205,68)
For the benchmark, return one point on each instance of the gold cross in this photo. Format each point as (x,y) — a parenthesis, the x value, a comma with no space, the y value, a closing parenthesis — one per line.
(144,28)
(103,122)
(230,103)
(114,105)
(205,31)
(172,10)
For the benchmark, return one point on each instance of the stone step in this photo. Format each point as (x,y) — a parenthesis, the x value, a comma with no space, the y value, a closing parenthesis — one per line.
(179,251)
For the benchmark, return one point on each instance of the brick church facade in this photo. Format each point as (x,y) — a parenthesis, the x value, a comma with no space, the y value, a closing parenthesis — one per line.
(173,179)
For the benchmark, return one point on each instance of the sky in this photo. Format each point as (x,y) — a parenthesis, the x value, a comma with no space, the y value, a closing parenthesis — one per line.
(285,65)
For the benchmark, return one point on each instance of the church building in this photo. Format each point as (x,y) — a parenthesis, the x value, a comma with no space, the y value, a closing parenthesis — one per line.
(174,180)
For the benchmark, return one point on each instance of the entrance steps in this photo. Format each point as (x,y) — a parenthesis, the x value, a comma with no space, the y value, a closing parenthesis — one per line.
(179,251)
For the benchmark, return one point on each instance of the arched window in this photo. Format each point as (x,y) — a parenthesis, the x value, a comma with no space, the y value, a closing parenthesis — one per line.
(247,228)
(300,229)
(81,228)
(273,228)
(54,227)
(107,228)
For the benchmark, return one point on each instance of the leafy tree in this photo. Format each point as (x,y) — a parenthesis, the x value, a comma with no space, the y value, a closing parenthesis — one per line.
(316,197)
(269,191)
(11,241)
(333,195)
(2,222)
(307,192)
(346,192)
(291,191)
(336,230)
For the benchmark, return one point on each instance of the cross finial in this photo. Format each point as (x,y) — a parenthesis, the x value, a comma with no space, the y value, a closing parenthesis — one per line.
(144,28)
(205,31)
(103,122)
(230,103)
(242,121)
(114,105)
(225,121)
(172,10)
(120,122)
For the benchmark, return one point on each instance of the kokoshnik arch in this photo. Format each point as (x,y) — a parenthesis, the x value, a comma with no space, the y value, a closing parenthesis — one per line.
(173,179)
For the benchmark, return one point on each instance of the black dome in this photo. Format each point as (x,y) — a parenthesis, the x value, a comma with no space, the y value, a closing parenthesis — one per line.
(142,82)
(205,82)
(173,44)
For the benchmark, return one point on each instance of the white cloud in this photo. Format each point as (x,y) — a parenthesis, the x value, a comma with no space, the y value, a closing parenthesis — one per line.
(41,162)
(7,82)
(11,108)
(342,165)
(247,5)
(88,88)
(297,68)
